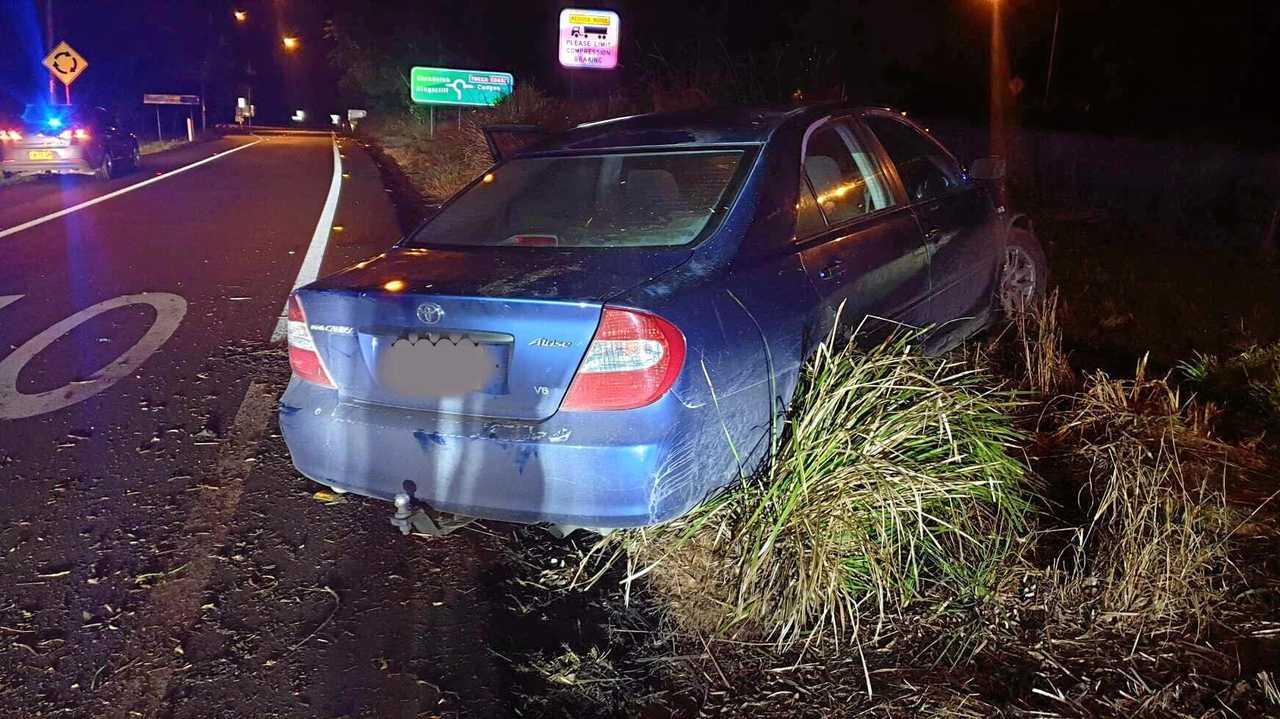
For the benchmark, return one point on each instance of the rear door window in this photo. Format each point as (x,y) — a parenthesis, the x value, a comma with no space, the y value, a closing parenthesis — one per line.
(809,220)
(845,178)
(926,170)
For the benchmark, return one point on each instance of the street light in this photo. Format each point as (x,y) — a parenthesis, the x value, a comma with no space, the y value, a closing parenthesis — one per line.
(290,42)
(240,15)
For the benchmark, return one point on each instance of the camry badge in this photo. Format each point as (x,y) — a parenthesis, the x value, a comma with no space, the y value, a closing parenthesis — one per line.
(430,313)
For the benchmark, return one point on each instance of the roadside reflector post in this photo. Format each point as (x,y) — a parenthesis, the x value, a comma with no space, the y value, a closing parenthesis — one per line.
(191,130)
(159,132)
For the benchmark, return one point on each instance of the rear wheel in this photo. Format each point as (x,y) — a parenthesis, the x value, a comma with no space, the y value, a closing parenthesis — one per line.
(108,168)
(135,157)
(1024,275)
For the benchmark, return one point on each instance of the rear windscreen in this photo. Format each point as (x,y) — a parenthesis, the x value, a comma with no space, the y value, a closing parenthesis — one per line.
(53,118)
(614,200)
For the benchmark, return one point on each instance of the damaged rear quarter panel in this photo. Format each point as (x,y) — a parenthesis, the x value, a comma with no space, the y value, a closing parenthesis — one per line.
(745,305)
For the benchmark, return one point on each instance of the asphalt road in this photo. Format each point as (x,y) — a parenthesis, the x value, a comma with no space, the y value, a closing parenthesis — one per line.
(158,555)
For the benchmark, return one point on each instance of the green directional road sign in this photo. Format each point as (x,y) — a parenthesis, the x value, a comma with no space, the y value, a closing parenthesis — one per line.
(443,86)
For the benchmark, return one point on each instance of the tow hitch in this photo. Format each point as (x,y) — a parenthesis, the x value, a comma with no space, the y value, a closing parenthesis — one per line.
(409,518)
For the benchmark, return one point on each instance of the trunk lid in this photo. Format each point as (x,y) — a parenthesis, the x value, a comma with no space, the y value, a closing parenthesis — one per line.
(483,332)
(37,141)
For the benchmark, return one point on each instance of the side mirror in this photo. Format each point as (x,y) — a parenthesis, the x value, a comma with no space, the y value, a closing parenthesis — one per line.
(990,169)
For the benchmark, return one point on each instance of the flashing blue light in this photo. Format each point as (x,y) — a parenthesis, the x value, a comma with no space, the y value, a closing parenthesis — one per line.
(55,122)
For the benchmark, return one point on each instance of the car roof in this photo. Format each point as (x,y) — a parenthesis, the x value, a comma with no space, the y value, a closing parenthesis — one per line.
(689,128)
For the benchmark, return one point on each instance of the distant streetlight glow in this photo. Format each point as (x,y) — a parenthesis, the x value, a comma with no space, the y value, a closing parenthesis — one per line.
(290,42)
(240,15)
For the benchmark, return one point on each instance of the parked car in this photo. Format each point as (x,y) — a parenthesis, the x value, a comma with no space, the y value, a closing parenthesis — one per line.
(599,330)
(66,140)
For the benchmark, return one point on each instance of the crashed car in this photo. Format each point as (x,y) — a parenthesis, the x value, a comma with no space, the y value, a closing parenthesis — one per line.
(601,330)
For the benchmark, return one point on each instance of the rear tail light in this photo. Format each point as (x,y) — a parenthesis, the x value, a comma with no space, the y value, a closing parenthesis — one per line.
(303,357)
(10,136)
(633,360)
(80,134)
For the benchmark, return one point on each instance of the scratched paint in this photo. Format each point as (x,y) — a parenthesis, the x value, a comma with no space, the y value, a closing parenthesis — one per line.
(427,440)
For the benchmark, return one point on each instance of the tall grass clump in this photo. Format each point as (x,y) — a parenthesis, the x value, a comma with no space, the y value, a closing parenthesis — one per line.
(1046,369)
(896,479)
(1248,381)
(1155,484)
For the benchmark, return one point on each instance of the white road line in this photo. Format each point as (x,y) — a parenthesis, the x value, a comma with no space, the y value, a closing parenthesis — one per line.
(319,240)
(6,300)
(88,203)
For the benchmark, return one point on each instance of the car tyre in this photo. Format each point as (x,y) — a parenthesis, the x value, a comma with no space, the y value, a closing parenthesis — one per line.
(108,168)
(1024,273)
(135,158)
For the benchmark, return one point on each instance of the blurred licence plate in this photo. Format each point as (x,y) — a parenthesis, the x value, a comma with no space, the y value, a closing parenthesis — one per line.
(444,369)
(42,155)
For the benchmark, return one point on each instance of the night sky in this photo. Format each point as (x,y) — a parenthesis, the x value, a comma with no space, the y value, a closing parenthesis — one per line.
(1136,67)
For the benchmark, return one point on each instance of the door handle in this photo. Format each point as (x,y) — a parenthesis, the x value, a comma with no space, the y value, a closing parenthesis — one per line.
(932,235)
(834,271)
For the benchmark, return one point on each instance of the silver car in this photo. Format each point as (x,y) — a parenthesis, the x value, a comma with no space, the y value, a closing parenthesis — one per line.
(66,140)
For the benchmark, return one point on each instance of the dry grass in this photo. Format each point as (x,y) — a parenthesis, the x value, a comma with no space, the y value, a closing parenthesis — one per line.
(847,533)
(1154,485)
(894,482)
(1142,469)
(1248,383)
(151,147)
(1044,363)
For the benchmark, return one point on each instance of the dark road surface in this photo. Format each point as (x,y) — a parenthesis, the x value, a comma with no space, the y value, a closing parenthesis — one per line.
(158,555)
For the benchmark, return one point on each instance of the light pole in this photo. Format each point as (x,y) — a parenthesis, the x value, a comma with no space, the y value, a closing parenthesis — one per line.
(1053,54)
(242,18)
(48,42)
(999,84)
(291,45)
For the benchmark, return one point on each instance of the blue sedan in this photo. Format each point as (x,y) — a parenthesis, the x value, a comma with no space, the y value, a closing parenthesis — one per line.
(601,330)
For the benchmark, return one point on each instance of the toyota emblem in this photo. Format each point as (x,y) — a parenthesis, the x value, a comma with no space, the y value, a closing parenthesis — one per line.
(430,312)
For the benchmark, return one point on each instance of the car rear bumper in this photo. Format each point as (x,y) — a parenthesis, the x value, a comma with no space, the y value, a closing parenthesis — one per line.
(69,161)
(594,469)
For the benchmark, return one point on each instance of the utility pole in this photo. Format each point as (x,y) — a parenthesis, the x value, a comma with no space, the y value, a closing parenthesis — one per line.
(204,73)
(48,44)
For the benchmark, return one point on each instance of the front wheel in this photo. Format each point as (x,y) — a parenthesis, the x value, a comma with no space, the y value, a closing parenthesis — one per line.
(1024,276)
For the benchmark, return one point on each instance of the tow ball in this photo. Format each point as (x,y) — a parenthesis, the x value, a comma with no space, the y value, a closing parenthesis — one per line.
(409,519)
